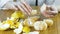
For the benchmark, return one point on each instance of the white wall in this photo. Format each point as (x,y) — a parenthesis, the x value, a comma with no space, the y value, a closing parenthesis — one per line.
(57,3)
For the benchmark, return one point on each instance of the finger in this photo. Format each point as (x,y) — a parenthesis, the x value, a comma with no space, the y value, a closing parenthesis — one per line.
(19,7)
(27,6)
(15,4)
(25,9)
(22,7)
(44,14)
(48,12)
(51,15)
(47,15)
(55,12)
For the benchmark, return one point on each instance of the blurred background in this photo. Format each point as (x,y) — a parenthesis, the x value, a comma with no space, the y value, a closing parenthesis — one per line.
(57,4)
(37,2)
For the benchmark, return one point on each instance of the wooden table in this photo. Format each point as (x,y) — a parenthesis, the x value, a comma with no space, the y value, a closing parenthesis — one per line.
(55,29)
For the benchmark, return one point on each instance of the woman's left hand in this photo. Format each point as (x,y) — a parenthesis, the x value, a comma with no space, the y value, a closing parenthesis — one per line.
(48,11)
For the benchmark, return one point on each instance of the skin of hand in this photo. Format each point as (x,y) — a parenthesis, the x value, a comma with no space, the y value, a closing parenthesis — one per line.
(23,6)
(49,11)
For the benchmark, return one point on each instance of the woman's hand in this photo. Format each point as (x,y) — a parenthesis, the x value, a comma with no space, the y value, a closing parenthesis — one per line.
(23,6)
(48,11)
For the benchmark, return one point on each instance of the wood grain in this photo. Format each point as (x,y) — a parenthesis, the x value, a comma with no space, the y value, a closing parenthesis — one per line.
(55,29)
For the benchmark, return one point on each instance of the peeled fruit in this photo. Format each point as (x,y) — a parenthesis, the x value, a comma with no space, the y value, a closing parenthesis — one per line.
(13,24)
(34,12)
(26,29)
(14,19)
(40,25)
(4,26)
(30,21)
(35,18)
(10,22)
(17,14)
(19,29)
(49,22)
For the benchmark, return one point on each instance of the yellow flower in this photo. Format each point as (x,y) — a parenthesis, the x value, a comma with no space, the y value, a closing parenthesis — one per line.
(26,29)
(16,24)
(17,14)
(10,22)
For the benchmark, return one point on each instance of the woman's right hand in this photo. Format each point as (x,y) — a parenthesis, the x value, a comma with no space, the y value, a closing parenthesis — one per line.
(23,6)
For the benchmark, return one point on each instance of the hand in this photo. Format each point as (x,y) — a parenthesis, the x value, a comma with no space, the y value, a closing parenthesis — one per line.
(47,14)
(48,11)
(23,6)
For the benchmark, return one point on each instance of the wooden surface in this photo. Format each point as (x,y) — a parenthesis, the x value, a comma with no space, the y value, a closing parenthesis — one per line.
(55,29)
